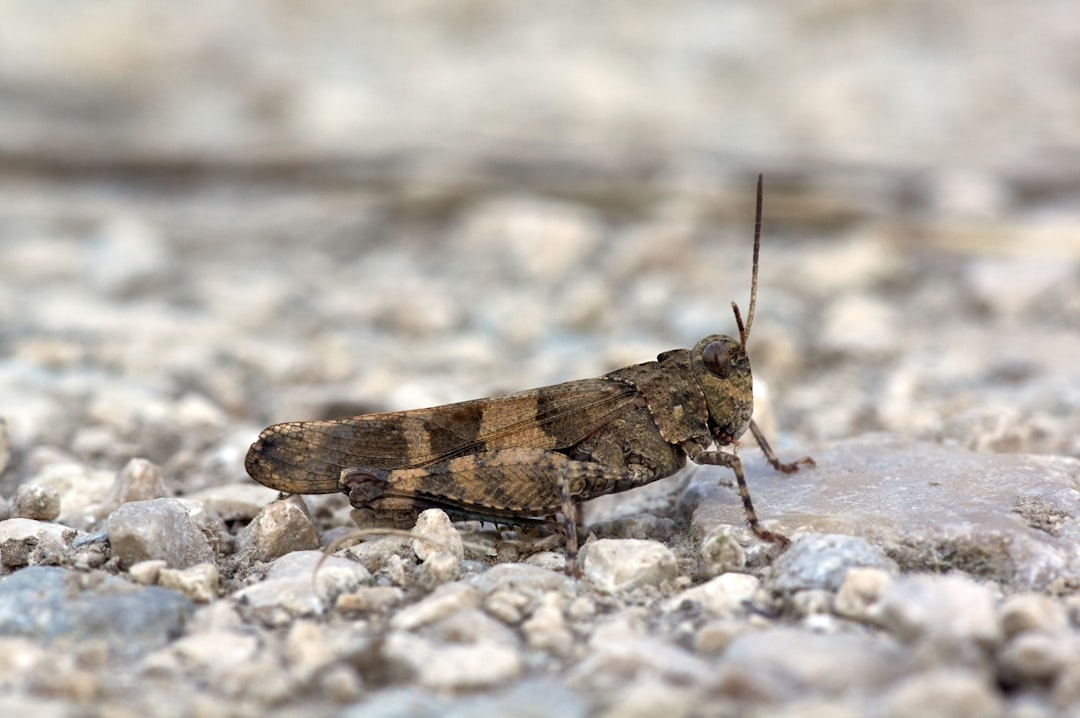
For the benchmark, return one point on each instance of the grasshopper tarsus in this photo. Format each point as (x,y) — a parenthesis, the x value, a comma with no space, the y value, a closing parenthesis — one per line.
(771,537)
(792,467)
(772,458)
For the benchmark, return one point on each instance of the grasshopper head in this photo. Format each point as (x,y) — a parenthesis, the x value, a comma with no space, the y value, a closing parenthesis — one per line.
(722,370)
(722,367)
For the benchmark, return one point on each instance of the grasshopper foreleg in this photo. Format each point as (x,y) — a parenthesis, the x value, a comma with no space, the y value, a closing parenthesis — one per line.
(771,456)
(731,461)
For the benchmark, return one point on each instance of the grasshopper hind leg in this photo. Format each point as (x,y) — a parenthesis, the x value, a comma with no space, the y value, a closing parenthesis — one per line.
(509,486)
(572,518)
(372,489)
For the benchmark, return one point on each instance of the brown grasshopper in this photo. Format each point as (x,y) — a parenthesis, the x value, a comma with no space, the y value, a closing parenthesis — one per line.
(520,458)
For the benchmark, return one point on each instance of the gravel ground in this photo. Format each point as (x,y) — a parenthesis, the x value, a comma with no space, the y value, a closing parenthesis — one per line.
(213,220)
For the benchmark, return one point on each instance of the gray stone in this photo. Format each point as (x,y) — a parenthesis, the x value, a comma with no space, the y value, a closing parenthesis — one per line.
(1023,612)
(525,579)
(714,637)
(24,542)
(613,663)
(991,428)
(310,649)
(1036,659)
(454,667)
(547,630)
(720,552)
(292,587)
(81,490)
(194,411)
(379,553)
(859,596)
(944,610)
(235,502)
(821,561)
(607,627)
(1013,518)
(549,560)
(395,570)
(945,692)
(37,706)
(436,534)
(472,626)
(147,572)
(781,664)
(439,568)
(216,652)
(52,604)
(815,606)
(402,702)
(1066,691)
(157,529)
(441,603)
(530,698)
(198,582)
(139,480)
(649,696)
(373,599)
(33,501)
(721,597)
(614,565)
(215,530)
(280,528)
(20,659)
(508,606)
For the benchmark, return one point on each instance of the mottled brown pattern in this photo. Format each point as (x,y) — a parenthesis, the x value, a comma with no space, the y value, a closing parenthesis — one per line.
(676,403)
(506,458)
(730,399)
(499,484)
(536,452)
(308,457)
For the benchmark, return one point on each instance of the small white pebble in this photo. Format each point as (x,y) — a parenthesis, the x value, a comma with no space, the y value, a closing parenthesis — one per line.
(859,596)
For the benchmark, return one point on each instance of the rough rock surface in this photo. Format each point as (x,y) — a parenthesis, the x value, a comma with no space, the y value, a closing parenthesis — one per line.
(157,529)
(54,605)
(1012,518)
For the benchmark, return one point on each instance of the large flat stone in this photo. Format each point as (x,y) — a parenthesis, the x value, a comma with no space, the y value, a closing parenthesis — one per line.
(1014,518)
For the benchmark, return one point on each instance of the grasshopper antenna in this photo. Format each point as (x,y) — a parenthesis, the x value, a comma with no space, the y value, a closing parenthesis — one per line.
(744,331)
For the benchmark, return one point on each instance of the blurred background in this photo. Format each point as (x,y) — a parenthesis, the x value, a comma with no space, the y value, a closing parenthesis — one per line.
(906,85)
(218,216)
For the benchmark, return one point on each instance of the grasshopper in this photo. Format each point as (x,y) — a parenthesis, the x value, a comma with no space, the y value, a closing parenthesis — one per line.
(520,458)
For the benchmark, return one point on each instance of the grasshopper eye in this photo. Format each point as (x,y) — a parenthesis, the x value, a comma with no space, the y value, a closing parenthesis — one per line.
(716,359)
